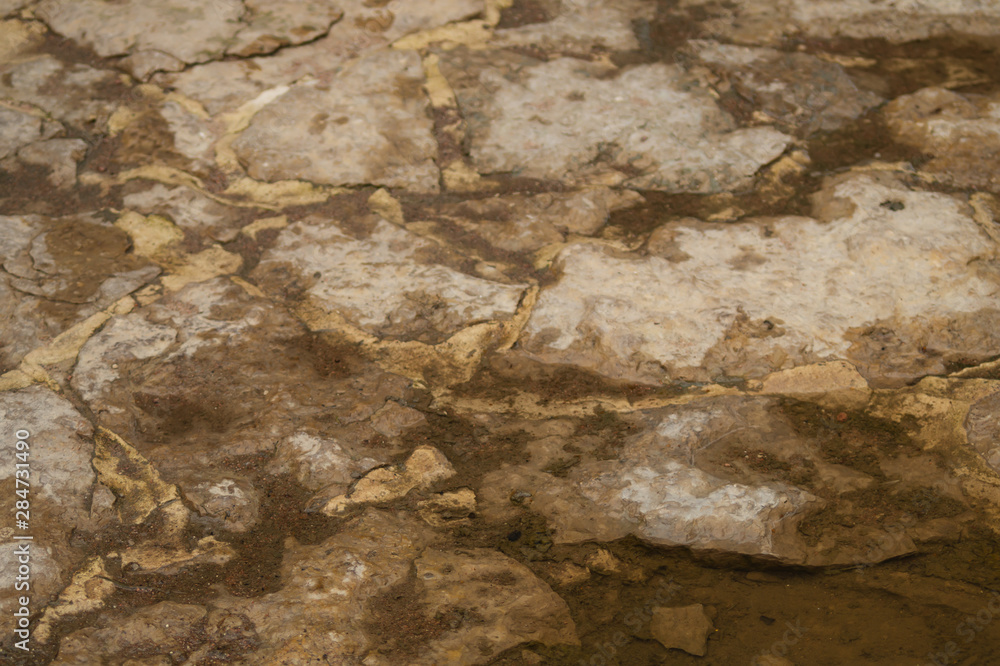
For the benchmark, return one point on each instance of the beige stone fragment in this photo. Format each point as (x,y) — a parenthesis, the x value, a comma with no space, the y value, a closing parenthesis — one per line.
(263,224)
(684,628)
(451,508)
(87,592)
(833,383)
(425,467)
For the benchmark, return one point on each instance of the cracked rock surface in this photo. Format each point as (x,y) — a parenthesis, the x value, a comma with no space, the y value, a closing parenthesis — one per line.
(380,332)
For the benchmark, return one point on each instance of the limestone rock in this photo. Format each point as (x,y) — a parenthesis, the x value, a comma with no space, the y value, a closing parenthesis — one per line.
(277,23)
(167,625)
(186,31)
(366,27)
(836,383)
(959,131)
(425,467)
(228,503)
(519,223)
(567,574)
(186,208)
(740,301)
(983,429)
(382,282)
(510,604)
(321,462)
(17,129)
(906,20)
(368,126)
(59,155)
(560,118)
(685,628)
(325,586)
(579,26)
(76,94)
(59,480)
(185,347)
(800,92)
(450,508)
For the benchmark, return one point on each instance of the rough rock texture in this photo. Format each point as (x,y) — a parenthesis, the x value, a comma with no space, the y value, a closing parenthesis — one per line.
(59,480)
(983,428)
(578,26)
(188,209)
(72,93)
(517,608)
(740,300)
(175,32)
(800,93)
(425,467)
(759,476)
(654,489)
(79,262)
(394,287)
(59,156)
(17,129)
(519,223)
(500,332)
(366,27)
(960,132)
(184,347)
(561,118)
(903,21)
(277,23)
(685,628)
(369,125)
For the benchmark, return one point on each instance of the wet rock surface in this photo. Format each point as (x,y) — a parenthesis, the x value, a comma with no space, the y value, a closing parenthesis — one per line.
(532,332)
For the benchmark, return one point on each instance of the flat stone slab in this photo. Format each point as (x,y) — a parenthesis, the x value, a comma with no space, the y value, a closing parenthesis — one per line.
(366,27)
(801,93)
(386,283)
(960,132)
(891,281)
(571,121)
(369,126)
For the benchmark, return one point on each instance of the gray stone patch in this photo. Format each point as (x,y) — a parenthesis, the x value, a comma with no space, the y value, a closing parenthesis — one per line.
(368,126)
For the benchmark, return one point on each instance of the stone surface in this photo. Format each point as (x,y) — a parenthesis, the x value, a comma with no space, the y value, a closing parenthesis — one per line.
(518,223)
(187,32)
(685,628)
(425,467)
(17,129)
(186,208)
(800,93)
(277,23)
(58,479)
(60,156)
(763,20)
(78,262)
(451,508)
(561,118)
(983,429)
(511,606)
(579,26)
(365,28)
(394,287)
(960,132)
(368,126)
(707,289)
(740,300)
(76,94)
